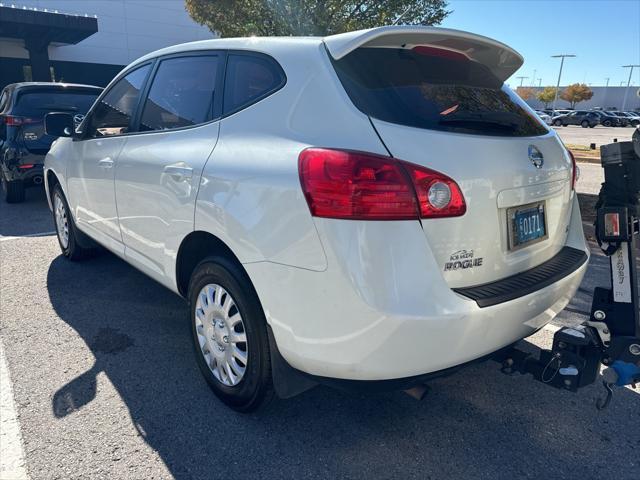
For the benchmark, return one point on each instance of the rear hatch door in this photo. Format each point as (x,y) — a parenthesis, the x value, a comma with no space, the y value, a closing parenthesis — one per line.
(33,104)
(442,109)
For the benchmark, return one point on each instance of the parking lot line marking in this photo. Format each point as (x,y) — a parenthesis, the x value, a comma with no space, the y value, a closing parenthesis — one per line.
(41,234)
(12,464)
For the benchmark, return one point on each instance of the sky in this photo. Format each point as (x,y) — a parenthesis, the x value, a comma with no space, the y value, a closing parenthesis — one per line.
(603,34)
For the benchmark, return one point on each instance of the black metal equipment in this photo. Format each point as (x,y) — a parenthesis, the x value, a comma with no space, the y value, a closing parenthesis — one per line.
(611,336)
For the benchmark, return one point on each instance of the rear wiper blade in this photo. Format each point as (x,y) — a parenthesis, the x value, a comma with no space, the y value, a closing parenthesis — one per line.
(57,108)
(499,119)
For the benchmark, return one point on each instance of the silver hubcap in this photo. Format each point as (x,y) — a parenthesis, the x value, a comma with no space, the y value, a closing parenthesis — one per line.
(62,223)
(221,334)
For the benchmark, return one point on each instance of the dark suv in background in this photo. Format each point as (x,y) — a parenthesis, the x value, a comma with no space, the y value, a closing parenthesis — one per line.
(608,119)
(23,141)
(579,117)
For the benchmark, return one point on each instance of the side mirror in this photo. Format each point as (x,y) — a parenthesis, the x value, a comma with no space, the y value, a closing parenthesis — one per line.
(59,124)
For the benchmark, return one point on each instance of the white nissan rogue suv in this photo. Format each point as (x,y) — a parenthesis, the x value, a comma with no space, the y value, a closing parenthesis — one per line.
(366,209)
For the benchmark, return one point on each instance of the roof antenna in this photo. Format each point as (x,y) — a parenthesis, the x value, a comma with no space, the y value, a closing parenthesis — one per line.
(401,15)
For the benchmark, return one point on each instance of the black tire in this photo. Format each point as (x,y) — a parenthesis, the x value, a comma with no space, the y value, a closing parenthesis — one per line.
(12,192)
(255,388)
(607,123)
(585,124)
(557,123)
(77,245)
(591,126)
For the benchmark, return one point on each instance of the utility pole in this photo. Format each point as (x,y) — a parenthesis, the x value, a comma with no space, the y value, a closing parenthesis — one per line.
(606,88)
(533,79)
(522,79)
(626,92)
(540,83)
(561,56)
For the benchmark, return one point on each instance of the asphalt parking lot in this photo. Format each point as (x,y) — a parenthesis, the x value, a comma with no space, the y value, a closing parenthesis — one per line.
(105,386)
(576,135)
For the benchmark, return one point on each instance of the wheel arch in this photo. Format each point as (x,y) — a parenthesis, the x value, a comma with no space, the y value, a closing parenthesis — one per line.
(194,248)
(51,180)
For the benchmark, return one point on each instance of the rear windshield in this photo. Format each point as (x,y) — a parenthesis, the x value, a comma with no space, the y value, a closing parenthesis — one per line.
(434,89)
(37,103)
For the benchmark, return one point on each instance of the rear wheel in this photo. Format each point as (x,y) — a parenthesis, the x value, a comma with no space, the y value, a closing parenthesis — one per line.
(557,123)
(69,237)
(585,124)
(12,192)
(230,335)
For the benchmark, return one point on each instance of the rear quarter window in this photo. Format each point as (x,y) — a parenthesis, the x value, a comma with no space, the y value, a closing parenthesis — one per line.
(249,78)
(434,89)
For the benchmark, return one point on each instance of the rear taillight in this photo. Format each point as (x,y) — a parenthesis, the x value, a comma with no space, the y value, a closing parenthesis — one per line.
(15,121)
(364,186)
(433,188)
(574,170)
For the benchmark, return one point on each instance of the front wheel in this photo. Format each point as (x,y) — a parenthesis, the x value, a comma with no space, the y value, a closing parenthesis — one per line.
(230,335)
(69,237)
(607,123)
(585,124)
(557,123)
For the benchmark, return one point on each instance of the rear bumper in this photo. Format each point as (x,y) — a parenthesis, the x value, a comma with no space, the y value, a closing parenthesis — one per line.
(19,164)
(382,311)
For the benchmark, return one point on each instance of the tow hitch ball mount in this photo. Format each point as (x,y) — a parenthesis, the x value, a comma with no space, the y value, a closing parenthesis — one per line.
(611,336)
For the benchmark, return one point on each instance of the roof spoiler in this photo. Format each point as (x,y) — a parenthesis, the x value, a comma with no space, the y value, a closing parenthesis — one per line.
(502,60)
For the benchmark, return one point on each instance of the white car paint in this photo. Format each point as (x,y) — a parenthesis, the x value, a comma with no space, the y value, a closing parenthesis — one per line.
(350,299)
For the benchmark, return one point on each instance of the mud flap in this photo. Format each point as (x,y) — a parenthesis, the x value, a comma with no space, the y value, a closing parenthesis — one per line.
(287,381)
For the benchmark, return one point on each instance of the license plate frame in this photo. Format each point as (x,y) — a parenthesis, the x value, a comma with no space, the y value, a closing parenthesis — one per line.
(514,233)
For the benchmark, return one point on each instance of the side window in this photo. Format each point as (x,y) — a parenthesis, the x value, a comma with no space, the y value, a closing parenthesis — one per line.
(112,115)
(248,79)
(3,100)
(182,93)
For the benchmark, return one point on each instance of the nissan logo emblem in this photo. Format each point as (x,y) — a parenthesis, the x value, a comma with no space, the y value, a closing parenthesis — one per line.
(536,157)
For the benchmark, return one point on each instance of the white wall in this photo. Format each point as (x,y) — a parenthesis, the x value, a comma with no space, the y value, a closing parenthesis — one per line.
(127,29)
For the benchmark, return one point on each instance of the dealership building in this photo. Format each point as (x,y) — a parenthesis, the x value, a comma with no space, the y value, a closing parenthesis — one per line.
(86,41)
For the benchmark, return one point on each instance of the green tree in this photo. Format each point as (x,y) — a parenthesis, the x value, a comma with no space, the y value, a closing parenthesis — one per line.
(547,95)
(241,18)
(576,93)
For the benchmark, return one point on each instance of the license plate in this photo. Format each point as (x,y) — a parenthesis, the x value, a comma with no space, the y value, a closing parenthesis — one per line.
(527,225)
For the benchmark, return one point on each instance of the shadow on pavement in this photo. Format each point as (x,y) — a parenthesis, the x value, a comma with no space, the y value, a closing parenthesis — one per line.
(27,218)
(478,423)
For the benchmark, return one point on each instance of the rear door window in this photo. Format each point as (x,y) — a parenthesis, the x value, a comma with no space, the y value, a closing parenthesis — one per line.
(434,89)
(249,79)
(37,103)
(182,93)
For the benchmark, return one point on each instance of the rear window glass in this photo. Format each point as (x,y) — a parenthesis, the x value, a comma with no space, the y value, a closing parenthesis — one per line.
(434,89)
(38,103)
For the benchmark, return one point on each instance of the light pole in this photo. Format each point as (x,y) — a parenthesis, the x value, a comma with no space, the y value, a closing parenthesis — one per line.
(626,92)
(521,79)
(533,79)
(539,83)
(606,87)
(562,56)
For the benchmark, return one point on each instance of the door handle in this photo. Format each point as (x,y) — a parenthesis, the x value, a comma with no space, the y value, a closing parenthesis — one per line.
(178,173)
(105,163)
